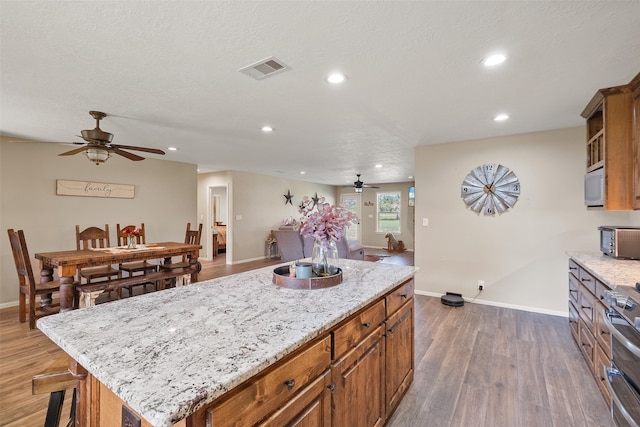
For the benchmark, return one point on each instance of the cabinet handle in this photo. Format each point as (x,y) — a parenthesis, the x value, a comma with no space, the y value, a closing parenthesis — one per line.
(290,383)
(573,268)
(585,279)
(366,325)
(403,296)
(603,332)
(331,387)
(586,306)
(391,330)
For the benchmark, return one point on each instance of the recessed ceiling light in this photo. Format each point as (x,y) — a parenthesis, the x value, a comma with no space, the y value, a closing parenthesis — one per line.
(492,60)
(302,172)
(336,78)
(267,129)
(409,177)
(172,149)
(378,166)
(501,117)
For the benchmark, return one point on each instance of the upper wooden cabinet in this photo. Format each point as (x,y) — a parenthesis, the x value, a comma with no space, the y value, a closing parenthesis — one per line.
(612,143)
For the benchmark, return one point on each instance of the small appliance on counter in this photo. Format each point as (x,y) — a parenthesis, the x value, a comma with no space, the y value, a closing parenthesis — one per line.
(621,242)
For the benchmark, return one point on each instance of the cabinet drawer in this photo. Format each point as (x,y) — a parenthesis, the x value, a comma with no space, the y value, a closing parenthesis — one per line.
(586,307)
(396,298)
(601,288)
(602,361)
(574,286)
(261,396)
(573,322)
(600,329)
(587,280)
(587,345)
(573,267)
(349,334)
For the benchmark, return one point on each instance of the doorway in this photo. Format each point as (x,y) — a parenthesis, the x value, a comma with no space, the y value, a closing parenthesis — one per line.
(351,202)
(217,237)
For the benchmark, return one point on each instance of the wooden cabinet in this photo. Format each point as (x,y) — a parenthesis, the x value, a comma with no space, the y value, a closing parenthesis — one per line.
(358,377)
(610,144)
(586,320)
(399,355)
(635,94)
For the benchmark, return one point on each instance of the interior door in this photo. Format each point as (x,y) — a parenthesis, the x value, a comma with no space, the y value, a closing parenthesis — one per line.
(352,203)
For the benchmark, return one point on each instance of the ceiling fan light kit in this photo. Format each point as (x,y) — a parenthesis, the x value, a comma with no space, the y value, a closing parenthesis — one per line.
(97,155)
(358,185)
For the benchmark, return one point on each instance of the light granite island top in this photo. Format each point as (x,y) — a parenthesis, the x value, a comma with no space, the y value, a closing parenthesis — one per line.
(168,353)
(613,272)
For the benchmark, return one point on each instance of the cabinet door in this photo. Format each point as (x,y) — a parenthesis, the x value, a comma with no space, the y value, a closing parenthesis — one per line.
(399,355)
(358,377)
(310,408)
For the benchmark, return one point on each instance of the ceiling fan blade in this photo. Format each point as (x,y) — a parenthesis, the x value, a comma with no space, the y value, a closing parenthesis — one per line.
(72,152)
(370,186)
(129,156)
(146,150)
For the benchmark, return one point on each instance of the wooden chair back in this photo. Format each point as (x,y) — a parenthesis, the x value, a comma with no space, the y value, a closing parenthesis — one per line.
(192,237)
(22,261)
(122,237)
(92,237)
(28,287)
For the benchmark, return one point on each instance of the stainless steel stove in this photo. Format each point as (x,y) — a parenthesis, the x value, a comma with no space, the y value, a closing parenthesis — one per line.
(623,377)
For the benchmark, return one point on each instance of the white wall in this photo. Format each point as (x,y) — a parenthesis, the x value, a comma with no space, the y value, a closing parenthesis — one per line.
(259,201)
(165,200)
(521,254)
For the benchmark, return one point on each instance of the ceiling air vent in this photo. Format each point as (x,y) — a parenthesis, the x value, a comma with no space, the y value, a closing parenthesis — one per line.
(265,68)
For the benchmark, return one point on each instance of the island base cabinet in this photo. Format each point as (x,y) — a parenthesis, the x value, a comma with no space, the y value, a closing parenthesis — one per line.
(399,355)
(311,408)
(358,379)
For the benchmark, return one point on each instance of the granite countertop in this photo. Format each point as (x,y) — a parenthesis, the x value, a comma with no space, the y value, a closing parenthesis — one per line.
(613,272)
(168,353)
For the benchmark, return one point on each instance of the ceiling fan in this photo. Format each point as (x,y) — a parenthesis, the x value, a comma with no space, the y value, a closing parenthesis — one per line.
(359,185)
(98,148)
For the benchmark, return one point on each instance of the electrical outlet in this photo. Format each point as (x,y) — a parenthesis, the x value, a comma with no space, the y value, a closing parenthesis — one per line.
(480,285)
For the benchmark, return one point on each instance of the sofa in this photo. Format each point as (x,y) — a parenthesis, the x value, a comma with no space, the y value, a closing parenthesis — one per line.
(293,246)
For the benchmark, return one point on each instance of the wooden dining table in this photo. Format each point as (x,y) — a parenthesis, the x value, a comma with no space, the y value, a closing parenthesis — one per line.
(67,263)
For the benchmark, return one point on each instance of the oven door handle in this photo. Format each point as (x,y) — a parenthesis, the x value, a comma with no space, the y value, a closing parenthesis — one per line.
(609,373)
(614,331)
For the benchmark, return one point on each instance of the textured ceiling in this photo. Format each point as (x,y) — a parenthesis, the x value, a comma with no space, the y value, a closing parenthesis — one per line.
(166,73)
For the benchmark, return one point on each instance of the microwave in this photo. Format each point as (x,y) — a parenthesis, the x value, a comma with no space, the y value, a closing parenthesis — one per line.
(594,188)
(620,242)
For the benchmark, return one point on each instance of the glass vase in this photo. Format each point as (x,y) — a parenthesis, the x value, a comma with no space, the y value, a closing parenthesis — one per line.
(324,257)
(131,242)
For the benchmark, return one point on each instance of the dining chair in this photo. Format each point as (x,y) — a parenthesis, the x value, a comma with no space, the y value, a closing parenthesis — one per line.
(191,237)
(56,380)
(122,234)
(38,307)
(93,238)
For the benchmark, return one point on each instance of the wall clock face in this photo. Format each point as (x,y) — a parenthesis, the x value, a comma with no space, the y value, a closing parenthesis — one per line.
(490,189)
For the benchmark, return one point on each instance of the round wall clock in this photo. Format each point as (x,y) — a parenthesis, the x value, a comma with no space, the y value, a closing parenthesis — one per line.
(490,189)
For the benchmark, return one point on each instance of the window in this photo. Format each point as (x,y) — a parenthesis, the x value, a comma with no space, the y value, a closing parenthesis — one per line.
(388,212)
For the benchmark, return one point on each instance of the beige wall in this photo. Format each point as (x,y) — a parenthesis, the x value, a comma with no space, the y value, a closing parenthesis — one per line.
(521,254)
(371,238)
(259,201)
(165,200)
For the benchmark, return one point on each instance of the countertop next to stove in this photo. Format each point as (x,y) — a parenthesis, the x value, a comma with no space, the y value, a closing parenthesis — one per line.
(613,272)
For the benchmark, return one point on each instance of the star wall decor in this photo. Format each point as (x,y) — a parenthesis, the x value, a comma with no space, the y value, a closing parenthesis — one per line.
(315,199)
(288,196)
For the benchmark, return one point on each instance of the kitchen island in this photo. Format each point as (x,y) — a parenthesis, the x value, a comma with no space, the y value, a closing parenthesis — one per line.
(176,356)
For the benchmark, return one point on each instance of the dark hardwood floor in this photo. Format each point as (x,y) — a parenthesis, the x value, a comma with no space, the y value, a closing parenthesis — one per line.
(474,366)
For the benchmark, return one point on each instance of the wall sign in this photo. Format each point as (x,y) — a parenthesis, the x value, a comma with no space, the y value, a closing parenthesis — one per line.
(94,189)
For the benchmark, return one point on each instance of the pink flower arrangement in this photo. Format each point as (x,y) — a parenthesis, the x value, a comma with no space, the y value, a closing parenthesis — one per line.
(131,231)
(326,222)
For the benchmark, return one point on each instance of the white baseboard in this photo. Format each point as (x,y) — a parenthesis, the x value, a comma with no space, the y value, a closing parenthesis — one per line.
(503,305)
(8,304)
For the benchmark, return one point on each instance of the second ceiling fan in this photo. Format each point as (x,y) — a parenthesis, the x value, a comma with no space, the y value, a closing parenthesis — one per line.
(358,185)
(98,147)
